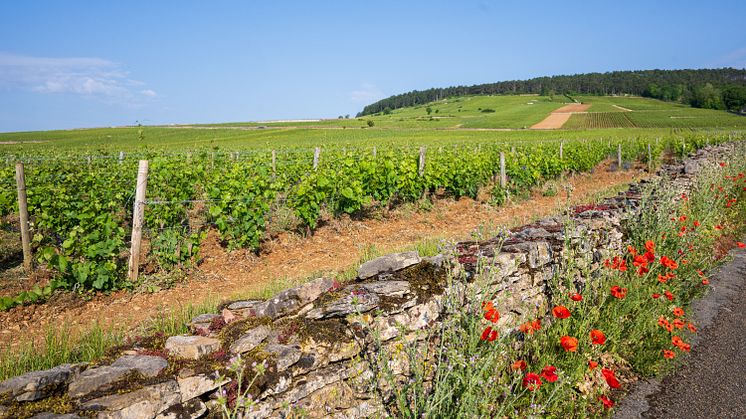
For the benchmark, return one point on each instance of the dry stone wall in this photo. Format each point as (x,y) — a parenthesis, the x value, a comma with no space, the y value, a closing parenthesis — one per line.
(317,340)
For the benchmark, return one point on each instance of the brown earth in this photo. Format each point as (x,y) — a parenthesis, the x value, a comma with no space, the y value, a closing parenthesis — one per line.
(333,248)
(557,118)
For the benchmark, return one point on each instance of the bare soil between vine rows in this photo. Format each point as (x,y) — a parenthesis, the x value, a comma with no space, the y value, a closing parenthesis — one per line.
(335,247)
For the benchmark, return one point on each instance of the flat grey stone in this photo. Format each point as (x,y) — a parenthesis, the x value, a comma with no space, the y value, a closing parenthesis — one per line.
(146,402)
(39,384)
(191,347)
(50,415)
(95,379)
(352,301)
(387,264)
(285,355)
(250,339)
(102,378)
(197,385)
(291,300)
(387,288)
(691,167)
(147,365)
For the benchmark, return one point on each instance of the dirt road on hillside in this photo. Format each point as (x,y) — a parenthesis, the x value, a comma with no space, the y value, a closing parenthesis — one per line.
(557,118)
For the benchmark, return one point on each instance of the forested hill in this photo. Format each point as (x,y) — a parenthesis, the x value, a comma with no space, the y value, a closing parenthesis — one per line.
(723,88)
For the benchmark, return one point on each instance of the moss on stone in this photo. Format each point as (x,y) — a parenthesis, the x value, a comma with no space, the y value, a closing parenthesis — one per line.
(21,410)
(425,280)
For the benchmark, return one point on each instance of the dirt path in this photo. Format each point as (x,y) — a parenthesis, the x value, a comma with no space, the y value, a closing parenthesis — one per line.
(333,248)
(557,118)
(622,108)
(710,383)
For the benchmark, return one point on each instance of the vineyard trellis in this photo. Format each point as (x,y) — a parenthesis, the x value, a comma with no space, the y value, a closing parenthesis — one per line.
(80,215)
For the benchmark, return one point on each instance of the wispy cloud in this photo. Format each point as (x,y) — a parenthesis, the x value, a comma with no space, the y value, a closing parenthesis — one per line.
(366,94)
(735,59)
(90,77)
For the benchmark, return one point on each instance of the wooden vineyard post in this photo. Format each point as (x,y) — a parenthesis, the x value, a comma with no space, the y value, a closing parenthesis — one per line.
(274,164)
(23,213)
(562,144)
(316,153)
(503,180)
(512,149)
(138,215)
(89,160)
(683,146)
(374,151)
(421,170)
(650,159)
(619,155)
(121,157)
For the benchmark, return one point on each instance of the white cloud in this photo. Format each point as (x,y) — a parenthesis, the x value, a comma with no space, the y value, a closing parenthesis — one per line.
(367,93)
(90,77)
(735,59)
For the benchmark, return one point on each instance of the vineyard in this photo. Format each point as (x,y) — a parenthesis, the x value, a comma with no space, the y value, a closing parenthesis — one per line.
(594,120)
(80,206)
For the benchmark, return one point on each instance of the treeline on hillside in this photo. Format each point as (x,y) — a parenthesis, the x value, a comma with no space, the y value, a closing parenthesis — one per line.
(723,88)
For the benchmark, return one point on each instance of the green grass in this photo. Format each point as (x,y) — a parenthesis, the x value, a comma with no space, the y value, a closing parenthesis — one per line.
(60,346)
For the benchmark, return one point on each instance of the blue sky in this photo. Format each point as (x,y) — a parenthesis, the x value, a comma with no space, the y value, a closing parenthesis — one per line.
(66,64)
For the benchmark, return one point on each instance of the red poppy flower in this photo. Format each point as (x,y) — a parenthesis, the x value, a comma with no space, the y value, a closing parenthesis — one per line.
(668,262)
(741,245)
(640,260)
(692,328)
(678,323)
(678,311)
(618,291)
(487,305)
(530,327)
(656,296)
(650,246)
(492,315)
(663,322)
(549,373)
(649,256)
(536,324)
(677,341)
(532,381)
(597,337)
(718,227)
(723,164)
(561,312)
(486,333)
(632,250)
(492,336)
(576,297)
(519,365)
(607,402)
(611,380)
(685,347)
(668,295)
(697,223)
(705,281)
(662,279)
(569,343)
(592,364)
(669,354)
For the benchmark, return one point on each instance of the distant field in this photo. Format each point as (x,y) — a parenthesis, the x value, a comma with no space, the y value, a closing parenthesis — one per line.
(450,121)
(636,112)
